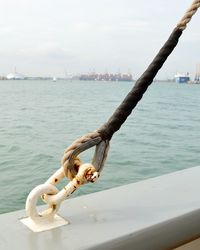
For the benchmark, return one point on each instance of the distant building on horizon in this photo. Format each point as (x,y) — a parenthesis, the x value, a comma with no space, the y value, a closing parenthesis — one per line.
(106,77)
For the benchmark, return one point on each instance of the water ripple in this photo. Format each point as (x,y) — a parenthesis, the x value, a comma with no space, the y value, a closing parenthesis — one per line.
(160,136)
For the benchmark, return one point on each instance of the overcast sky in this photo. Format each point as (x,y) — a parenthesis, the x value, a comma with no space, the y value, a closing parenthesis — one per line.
(48,37)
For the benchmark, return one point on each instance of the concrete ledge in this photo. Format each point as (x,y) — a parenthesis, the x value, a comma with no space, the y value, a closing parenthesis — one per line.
(156,214)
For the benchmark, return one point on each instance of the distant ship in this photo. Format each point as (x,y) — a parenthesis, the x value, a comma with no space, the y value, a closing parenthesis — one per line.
(54,79)
(182,78)
(15,76)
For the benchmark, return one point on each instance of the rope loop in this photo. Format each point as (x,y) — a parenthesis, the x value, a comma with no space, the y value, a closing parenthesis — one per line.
(71,162)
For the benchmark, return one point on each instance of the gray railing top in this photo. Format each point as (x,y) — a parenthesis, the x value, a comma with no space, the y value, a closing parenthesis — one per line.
(158,213)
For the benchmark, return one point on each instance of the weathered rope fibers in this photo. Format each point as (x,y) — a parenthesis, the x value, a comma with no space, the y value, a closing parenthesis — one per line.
(134,96)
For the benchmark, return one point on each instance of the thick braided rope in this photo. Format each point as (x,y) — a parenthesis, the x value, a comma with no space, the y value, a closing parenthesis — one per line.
(134,96)
(106,131)
(188,15)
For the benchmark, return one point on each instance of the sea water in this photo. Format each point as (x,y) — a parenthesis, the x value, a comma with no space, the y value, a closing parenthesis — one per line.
(39,119)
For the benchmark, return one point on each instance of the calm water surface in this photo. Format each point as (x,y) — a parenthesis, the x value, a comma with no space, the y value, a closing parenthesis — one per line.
(39,119)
